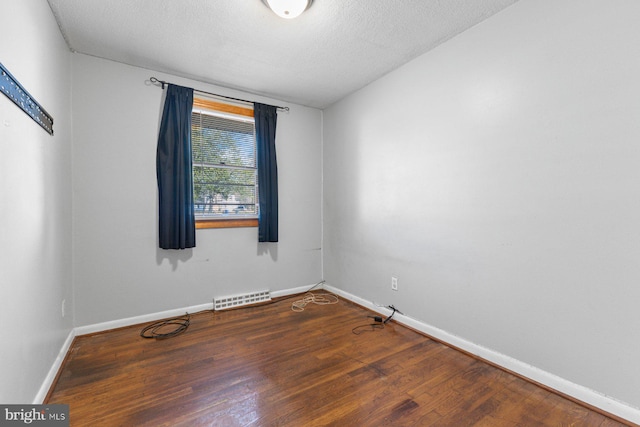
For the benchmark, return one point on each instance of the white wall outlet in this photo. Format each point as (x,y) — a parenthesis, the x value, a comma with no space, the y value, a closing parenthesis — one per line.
(394,283)
(64,302)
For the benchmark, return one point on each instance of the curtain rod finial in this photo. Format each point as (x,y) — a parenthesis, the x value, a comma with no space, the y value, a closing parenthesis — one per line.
(155,81)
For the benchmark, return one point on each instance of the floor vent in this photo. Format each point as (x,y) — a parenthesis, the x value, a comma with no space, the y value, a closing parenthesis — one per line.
(240,300)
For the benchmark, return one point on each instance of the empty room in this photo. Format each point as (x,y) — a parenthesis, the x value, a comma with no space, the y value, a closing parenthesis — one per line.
(320,212)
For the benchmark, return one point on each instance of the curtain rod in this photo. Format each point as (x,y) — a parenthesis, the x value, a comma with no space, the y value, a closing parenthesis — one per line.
(155,81)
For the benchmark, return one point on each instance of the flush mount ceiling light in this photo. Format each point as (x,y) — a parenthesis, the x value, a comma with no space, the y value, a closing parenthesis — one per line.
(288,9)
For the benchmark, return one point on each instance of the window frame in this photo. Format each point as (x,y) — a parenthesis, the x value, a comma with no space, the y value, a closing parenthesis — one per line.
(238,222)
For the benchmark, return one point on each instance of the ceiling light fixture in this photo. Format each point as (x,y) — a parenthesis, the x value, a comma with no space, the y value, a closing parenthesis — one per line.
(288,9)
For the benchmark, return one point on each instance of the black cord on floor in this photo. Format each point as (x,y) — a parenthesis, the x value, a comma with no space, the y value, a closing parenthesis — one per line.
(370,328)
(152,331)
(378,325)
(394,312)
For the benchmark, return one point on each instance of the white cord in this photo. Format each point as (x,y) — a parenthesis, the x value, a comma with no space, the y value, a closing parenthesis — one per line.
(320,299)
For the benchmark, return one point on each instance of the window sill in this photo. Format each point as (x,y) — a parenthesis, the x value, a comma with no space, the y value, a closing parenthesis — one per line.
(226,223)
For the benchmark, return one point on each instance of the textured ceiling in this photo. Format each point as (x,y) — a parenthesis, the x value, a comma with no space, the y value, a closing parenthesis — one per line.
(333,49)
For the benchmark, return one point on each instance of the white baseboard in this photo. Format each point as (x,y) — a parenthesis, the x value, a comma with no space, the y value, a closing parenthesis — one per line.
(293,291)
(568,388)
(53,372)
(113,324)
(129,321)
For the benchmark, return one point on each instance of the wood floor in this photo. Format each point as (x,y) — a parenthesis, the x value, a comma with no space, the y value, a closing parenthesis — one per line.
(270,366)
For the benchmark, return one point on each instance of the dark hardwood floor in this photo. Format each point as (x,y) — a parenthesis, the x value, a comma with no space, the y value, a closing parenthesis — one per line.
(270,366)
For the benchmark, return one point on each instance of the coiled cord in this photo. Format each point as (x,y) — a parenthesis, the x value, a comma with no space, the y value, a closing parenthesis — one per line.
(311,298)
(152,330)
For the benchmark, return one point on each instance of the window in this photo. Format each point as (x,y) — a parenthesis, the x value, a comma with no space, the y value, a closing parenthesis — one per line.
(225,173)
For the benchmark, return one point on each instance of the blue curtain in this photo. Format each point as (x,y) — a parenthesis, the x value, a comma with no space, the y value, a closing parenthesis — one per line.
(265,119)
(177,224)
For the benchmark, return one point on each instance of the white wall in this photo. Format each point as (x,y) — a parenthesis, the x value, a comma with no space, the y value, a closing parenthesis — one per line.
(118,270)
(498,178)
(35,203)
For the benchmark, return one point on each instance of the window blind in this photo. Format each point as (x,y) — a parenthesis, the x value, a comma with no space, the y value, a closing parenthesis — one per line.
(224,165)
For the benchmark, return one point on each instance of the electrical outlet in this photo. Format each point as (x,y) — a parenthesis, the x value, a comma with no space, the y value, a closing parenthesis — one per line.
(64,302)
(394,283)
